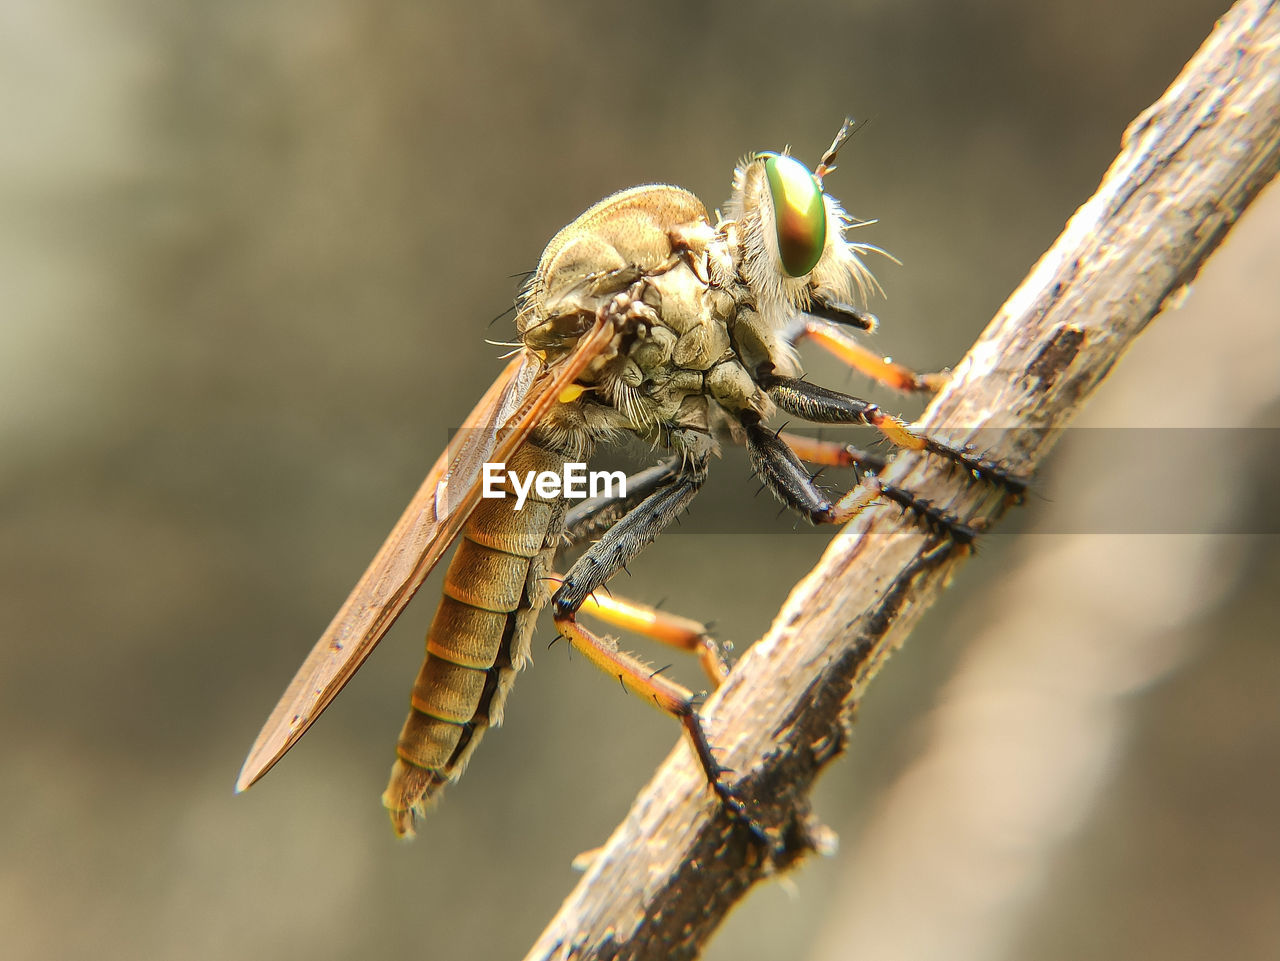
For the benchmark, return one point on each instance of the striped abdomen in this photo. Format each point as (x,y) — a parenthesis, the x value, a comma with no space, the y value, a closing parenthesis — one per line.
(479,639)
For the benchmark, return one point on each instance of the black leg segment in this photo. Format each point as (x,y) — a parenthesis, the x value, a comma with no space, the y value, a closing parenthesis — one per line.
(592,517)
(816,404)
(785,476)
(844,314)
(822,405)
(629,536)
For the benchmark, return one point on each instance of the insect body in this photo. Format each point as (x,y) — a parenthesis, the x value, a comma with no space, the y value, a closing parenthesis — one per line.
(644,319)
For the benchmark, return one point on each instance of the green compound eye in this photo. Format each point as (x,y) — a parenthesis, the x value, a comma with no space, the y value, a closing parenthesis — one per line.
(799,214)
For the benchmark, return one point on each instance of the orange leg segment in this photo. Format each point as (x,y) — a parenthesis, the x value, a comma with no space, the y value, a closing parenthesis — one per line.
(679,632)
(832,453)
(881,369)
(682,633)
(668,696)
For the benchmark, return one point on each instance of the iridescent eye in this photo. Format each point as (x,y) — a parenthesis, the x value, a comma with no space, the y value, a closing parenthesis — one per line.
(799,214)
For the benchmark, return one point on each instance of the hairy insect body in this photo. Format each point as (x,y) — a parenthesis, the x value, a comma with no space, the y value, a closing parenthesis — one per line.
(645,319)
(701,312)
(671,354)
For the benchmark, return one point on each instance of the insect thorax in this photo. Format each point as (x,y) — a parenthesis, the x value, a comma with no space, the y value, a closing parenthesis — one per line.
(710,313)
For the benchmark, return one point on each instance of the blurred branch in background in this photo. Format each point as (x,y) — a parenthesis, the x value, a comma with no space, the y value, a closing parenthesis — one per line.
(1189,167)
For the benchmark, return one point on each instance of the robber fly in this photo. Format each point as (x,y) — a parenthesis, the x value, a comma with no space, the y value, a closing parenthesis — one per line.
(643,318)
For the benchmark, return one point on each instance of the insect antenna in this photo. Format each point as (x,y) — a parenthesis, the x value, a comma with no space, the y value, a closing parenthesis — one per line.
(828,161)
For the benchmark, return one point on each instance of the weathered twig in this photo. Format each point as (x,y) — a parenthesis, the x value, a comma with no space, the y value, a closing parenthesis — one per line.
(1188,167)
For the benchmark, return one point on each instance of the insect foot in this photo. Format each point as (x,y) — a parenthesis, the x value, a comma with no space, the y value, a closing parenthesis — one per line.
(932,518)
(979,467)
(935,519)
(731,801)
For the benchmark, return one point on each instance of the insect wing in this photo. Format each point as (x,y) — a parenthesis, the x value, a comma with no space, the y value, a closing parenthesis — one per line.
(498,425)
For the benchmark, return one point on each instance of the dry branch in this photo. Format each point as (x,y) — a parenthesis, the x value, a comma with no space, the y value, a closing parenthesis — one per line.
(1188,167)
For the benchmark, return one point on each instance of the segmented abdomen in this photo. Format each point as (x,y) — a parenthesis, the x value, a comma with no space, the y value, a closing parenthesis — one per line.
(479,639)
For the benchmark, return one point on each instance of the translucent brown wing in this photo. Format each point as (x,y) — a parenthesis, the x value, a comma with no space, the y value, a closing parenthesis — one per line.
(500,423)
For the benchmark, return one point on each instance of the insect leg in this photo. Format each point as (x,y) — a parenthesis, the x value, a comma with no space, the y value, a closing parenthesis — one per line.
(682,633)
(835,454)
(792,484)
(868,362)
(832,453)
(826,406)
(641,525)
(593,517)
(845,314)
(619,545)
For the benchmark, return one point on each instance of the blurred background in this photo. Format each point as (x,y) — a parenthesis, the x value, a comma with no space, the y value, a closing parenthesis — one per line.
(249,254)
